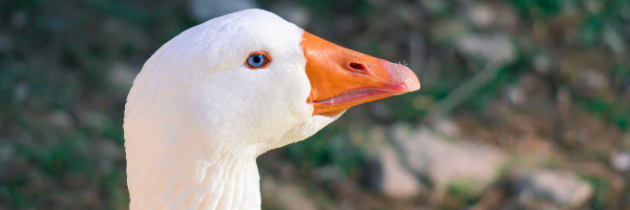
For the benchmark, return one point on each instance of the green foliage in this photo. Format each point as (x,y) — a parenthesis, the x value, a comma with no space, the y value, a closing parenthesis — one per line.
(330,146)
(617,113)
(601,198)
(538,9)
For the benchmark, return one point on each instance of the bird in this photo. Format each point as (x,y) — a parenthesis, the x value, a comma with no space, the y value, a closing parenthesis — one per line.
(211,100)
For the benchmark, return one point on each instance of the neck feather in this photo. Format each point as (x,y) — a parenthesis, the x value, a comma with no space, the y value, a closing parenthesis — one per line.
(193,179)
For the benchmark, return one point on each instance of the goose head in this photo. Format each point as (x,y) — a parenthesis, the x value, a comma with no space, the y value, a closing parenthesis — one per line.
(218,95)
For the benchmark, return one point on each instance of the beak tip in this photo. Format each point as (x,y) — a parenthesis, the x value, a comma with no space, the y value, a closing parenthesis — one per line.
(402,74)
(413,84)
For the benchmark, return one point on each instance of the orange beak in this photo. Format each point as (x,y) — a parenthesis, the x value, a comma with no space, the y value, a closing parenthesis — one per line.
(341,78)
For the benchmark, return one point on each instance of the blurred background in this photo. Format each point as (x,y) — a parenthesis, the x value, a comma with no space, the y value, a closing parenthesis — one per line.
(525,104)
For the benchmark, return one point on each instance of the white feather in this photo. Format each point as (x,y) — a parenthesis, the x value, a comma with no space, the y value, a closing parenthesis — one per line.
(197,118)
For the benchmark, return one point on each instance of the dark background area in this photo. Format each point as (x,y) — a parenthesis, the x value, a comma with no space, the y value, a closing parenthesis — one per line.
(525,104)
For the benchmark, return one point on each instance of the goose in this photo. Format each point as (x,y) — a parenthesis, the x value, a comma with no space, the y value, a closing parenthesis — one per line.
(211,100)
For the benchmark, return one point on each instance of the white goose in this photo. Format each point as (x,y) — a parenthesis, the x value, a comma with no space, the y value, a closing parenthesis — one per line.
(218,95)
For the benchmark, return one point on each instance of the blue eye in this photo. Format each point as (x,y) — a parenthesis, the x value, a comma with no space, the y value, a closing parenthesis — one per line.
(257,60)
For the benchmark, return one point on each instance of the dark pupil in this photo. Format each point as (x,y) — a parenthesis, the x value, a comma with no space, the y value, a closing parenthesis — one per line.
(257,59)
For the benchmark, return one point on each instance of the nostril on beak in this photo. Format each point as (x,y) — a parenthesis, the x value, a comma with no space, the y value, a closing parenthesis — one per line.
(357,67)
